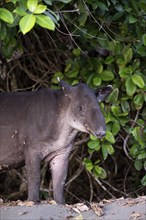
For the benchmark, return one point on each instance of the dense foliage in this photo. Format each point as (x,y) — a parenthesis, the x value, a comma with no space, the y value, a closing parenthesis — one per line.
(94,41)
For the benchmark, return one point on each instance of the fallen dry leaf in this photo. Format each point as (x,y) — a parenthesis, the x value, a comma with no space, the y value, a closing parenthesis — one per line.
(79,217)
(135,215)
(25,203)
(97,209)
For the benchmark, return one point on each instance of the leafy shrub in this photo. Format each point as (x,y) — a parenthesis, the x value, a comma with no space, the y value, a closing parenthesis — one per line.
(109,47)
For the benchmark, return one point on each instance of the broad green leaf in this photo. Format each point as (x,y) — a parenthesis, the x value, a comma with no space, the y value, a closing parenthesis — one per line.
(125,106)
(138,135)
(113,97)
(125,72)
(138,101)
(6,16)
(99,68)
(110,149)
(138,80)
(117,111)
(115,128)
(32,4)
(45,22)
(138,164)
(104,151)
(109,60)
(88,164)
(27,23)
(109,137)
(92,137)
(40,9)
(142,155)
(94,144)
(143,181)
(98,169)
(107,75)
(132,19)
(134,150)
(144,39)
(20,11)
(130,86)
(99,172)
(97,81)
(128,55)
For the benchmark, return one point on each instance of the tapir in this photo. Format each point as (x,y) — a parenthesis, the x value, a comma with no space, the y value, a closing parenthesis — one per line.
(42,125)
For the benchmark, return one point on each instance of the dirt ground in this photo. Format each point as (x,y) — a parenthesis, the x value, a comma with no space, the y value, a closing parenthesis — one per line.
(119,209)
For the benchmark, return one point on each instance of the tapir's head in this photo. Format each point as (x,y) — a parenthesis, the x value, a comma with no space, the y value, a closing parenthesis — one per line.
(83,112)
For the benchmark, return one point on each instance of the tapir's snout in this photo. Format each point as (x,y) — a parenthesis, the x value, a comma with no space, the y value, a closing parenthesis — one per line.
(100,133)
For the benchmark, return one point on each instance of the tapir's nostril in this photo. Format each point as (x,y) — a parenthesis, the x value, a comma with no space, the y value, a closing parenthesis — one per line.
(100,133)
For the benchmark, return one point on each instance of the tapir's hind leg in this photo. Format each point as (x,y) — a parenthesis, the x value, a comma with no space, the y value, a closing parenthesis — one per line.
(33,176)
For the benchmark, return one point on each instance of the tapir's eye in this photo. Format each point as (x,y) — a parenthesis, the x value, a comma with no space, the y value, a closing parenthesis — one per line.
(81,109)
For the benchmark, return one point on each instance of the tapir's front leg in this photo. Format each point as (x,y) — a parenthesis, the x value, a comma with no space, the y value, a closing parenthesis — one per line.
(59,167)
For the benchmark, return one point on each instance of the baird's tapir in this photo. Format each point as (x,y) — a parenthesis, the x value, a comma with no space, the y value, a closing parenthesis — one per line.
(42,125)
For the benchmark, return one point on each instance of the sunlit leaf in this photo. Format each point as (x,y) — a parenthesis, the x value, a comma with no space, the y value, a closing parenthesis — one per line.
(45,22)
(40,9)
(32,4)
(27,23)
(138,80)
(6,15)
(130,86)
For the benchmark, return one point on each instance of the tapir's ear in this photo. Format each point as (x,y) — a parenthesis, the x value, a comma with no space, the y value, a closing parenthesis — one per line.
(64,86)
(103,92)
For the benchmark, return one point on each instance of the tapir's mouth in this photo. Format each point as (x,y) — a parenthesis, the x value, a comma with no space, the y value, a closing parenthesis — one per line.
(99,134)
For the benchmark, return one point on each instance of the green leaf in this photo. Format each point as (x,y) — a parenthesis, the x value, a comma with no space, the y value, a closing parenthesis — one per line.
(20,11)
(32,4)
(99,172)
(99,68)
(143,181)
(97,81)
(6,16)
(125,106)
(138,101)
(110,149)
(104,151)
(138,135)
(130,86)
(117,111)
(142,156)
(128,55)
(94,144)
(125,72)
(115,128)
(109,137)
(40,9)
(107,75)
(27,23)
(138,80)
(45,22)
(88,164)
(144,39)
(113,97)
(138,164)
(132,19)
(134,150)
